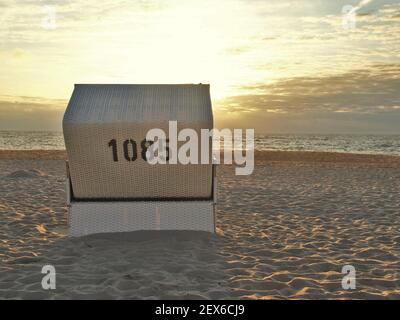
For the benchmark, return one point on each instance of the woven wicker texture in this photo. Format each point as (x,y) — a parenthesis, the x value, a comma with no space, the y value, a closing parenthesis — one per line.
(97,114)
(100,217)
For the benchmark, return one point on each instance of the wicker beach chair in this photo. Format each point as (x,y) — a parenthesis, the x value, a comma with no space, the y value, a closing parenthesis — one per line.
(111,187)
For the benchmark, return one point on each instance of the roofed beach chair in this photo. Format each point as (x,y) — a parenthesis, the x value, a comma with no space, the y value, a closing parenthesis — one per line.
(110,185)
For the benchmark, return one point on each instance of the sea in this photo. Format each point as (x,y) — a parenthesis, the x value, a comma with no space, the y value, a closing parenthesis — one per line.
(346,143)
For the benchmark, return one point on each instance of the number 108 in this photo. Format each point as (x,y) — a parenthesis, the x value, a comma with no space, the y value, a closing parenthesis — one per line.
(130,149)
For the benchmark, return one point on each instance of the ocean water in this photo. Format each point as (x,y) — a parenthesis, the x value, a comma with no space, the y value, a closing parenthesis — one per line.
(347,143)
(31,140)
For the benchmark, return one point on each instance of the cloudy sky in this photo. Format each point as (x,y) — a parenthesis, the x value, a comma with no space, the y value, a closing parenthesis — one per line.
(273,65)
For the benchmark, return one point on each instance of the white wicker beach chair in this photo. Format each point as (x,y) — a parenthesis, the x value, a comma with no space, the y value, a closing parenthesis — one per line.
(110,186)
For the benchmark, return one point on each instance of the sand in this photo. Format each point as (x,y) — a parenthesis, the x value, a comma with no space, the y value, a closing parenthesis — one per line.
(284,232)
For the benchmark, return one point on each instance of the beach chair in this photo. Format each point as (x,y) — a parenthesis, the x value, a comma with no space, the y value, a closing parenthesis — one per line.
(110,185)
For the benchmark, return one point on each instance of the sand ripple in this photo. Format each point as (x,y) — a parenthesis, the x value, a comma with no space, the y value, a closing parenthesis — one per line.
(284,232)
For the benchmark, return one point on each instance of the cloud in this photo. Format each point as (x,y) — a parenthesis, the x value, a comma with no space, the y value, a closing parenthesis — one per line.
(363,3)
(31,113)
(237,50)
(356,100)
(362,100)
(281,59)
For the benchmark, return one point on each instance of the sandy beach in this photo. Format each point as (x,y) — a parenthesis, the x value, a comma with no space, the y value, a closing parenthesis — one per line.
(286,231)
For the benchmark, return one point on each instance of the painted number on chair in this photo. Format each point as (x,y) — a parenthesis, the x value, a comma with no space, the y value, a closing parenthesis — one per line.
(130,149)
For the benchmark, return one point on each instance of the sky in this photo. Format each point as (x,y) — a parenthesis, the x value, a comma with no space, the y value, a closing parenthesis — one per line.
(278,66)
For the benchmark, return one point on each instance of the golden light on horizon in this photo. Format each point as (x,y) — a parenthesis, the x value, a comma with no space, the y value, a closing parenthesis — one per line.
(265,57)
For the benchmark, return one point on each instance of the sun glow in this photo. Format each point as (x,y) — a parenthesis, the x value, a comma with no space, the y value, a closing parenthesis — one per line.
(187,43)
(268,62)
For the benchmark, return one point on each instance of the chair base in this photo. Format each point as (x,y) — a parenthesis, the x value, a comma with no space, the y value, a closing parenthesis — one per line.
(103,217)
